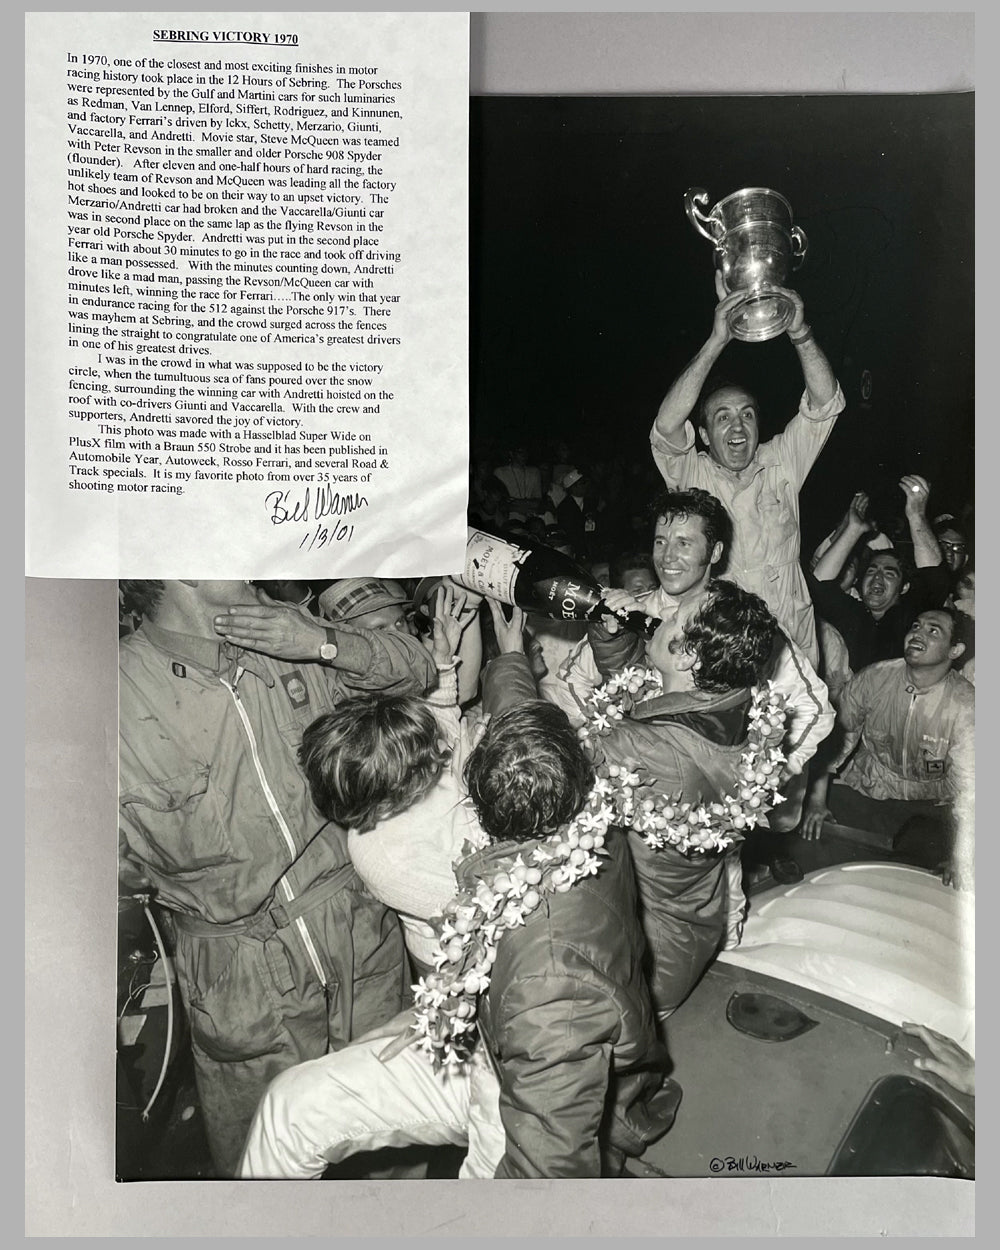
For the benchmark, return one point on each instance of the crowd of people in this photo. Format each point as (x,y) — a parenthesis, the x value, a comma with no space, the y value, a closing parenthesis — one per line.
(422,892)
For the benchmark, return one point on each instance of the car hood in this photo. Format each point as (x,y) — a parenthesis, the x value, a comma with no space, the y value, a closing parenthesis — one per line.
(890,940)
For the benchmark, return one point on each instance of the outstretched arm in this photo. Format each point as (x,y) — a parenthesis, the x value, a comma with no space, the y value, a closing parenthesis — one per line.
(926,552)
(367,659)
(855,524)
(679,401)
(508,680)
(821,385)
(456,636)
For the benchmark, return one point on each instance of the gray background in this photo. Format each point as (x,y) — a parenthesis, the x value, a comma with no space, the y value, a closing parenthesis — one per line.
(71,768)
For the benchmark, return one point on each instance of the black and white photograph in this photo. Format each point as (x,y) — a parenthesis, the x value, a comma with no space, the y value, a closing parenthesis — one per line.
(639,846)
(642,845)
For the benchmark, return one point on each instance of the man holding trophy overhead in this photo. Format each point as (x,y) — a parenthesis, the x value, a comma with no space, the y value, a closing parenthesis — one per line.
(759,484)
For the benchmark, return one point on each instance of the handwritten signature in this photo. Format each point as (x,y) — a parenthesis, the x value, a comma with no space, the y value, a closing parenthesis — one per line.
(748,1163)
(283,505)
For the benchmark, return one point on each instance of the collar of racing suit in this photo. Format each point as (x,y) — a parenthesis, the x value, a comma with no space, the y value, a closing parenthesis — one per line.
(211,655)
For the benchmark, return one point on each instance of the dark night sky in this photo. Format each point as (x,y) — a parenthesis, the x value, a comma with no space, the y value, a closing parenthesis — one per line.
(591,290)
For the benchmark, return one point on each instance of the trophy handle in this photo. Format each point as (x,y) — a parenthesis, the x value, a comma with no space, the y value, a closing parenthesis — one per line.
(697,197)
(800,245)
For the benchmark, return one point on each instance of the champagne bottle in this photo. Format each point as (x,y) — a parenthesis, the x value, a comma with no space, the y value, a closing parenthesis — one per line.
(538,579)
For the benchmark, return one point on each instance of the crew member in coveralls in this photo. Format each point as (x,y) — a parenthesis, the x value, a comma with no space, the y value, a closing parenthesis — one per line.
(281,954)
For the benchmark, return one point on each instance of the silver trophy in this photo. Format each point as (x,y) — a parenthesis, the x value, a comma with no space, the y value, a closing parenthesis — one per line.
(756,248)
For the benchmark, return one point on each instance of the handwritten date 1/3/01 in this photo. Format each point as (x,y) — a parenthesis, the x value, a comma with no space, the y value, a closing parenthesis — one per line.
(323,535)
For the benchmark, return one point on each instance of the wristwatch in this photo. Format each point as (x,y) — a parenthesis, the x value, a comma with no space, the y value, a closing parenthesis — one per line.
(328,651)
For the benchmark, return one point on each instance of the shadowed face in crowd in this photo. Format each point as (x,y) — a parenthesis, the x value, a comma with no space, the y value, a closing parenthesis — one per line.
(391,617)
(638,582)
(729,427)
(953,549)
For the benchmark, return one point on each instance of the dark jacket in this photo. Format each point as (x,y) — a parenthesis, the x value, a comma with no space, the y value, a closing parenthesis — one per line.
(567,1017)
(689,745)
(869,640)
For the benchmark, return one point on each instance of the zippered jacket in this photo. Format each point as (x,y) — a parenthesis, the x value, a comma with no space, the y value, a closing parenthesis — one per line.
(214,808)
(911,743)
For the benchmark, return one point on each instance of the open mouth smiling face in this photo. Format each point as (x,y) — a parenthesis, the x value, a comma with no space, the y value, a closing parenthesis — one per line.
(928,641)
(730,427)
(882,583)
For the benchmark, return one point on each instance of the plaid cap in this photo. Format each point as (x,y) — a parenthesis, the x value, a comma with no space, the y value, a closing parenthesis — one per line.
(354,596)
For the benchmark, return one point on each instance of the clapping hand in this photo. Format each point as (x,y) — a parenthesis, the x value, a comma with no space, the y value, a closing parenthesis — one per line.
(857,513)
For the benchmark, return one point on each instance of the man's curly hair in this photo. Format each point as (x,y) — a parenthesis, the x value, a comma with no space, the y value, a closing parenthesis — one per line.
(529,774)
(732,634)
(372,757)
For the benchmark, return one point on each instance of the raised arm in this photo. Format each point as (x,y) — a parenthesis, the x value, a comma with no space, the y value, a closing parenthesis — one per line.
(821,385)
(365,659)
(456,636)
(855,525)
(926,552)
(679,401)
(508,680)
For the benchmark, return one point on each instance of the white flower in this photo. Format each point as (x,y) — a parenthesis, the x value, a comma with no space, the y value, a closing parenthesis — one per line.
(588,822)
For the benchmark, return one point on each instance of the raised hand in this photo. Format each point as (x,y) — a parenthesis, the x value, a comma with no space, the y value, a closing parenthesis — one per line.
(453,610)
(917,491)
(510,633)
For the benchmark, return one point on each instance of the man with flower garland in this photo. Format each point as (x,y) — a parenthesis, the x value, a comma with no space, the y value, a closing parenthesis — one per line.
(691,541)
(567,1078)
(689,742)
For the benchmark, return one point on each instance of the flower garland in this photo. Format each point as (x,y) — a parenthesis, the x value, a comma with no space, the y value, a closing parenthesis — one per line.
(667,820)
(472,923)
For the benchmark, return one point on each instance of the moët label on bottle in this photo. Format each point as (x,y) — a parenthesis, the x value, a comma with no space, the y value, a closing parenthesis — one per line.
(492,565)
